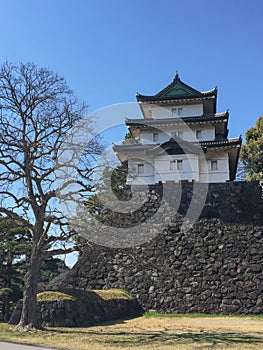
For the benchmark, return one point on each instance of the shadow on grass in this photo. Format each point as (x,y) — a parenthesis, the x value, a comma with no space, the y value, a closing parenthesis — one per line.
(145,338)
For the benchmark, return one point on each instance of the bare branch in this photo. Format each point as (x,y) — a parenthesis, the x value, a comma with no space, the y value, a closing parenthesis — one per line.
(49,254)
(37,111)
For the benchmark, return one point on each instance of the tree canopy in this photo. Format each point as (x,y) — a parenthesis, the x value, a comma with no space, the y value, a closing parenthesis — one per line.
(252,151)
(15,250)
(15,247)
(37,110)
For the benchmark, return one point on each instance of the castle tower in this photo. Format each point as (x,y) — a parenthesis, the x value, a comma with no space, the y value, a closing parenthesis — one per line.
(181,137)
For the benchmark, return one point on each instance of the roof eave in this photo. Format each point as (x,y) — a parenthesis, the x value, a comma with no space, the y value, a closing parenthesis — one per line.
(170,99)
(220,118)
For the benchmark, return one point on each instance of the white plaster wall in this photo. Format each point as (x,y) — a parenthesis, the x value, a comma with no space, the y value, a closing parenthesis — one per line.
(189,172)
(194,168)
(161,170)
(189,134)
(208,133)
(187,111)
(138,179)
(141,180)
(219,175)
(147,137)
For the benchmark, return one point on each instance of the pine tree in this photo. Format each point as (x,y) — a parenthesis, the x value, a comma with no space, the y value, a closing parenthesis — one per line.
(252,151)
(15,248)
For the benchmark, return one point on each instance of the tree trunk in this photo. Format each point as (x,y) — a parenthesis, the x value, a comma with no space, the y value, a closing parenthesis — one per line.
(28,320)
(6,310)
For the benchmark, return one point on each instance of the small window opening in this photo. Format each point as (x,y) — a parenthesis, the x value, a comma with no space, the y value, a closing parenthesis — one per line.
(172,165)
(198,134)
(179,165)
(214,165)
(140,168)
(155,137)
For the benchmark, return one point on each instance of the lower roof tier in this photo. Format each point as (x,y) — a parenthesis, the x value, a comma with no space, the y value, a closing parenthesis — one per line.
(177,146)
(177,143)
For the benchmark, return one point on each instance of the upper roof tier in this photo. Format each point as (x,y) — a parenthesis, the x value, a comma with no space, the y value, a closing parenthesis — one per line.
(177,92)
(219,120)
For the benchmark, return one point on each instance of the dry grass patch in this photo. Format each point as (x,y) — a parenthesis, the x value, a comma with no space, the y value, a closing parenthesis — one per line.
(50,296)
(113,294)
(143,333)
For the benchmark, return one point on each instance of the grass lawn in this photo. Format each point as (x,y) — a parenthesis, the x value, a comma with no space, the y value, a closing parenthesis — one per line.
(152,331)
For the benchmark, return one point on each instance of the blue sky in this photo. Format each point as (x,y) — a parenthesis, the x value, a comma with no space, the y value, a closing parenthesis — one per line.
(109,49)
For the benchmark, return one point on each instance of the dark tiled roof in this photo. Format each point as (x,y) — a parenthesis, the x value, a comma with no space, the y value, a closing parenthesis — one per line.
(177,90)
(222,143)
(177,143)
(176,146)
(181,146)
(177,86)
(136,147)
(151,122)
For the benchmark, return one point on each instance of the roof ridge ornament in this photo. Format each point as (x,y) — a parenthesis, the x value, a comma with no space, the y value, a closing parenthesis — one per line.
(176,76)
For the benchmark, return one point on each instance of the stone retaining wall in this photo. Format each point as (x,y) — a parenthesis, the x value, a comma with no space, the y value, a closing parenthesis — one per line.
(87,309)
(215,266)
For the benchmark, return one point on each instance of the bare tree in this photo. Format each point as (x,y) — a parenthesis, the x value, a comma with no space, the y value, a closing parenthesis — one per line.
(37,109)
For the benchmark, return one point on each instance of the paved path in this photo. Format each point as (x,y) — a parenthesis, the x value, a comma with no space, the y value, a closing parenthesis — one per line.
(13,346)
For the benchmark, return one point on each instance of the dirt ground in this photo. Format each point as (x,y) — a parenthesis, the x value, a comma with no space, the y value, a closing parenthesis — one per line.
(188,324)
(145,333)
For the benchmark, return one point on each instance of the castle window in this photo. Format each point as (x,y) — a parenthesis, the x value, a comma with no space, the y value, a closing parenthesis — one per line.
(177,134)
(177,111)
(140,169)
(179,164)
(214,165)
(155,137)
(172,165)
(198,134)
(176,165)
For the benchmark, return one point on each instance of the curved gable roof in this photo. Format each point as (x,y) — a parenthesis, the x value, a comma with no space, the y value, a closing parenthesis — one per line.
(175,146)
(176,90)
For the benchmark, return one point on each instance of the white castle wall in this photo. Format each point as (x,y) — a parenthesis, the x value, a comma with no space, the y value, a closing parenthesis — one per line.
(174,111)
